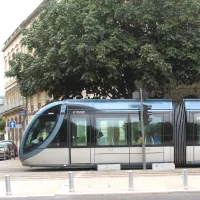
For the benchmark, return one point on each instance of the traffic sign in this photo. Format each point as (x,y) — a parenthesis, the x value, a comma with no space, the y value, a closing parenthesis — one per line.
(22,112)
(12,124)
(6,128)
(18,125)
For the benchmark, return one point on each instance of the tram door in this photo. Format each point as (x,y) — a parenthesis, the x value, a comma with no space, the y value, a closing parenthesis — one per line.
(80,132)
(112,138)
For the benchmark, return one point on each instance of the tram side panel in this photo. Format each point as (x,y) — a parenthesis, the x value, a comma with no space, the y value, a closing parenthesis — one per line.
(49,157)
(193,155)
(102,138)
(113,146)
(119,155)
(128,148)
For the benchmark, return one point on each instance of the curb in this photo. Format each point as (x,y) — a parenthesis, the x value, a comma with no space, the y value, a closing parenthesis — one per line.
(24,196)
(104,193)
(125,193)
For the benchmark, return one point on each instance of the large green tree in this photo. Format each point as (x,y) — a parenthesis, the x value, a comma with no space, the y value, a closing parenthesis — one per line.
(110,47)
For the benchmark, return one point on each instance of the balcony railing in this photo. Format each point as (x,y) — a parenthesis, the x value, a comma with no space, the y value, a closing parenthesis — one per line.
(12,105)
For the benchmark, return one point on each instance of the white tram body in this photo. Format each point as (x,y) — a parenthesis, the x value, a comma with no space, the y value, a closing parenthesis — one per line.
(86,133)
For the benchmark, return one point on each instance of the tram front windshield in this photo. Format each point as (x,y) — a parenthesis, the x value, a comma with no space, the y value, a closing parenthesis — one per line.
(39,131)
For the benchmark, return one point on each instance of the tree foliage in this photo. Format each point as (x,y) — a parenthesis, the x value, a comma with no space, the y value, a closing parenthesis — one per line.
(2,124)
(110,47)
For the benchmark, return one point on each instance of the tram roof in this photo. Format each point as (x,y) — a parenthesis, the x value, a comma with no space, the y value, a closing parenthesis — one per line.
(122,104)
(192,104)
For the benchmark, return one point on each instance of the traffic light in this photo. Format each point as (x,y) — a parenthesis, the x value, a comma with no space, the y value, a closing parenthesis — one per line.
(147,114)
(139,113)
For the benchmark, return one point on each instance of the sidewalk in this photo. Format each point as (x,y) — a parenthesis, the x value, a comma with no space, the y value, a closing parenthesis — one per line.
(83,186)
(98,182)
(111,185)
(32,188)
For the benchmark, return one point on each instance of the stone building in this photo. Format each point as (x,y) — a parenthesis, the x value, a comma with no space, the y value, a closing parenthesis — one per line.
(17,108)
(2,99)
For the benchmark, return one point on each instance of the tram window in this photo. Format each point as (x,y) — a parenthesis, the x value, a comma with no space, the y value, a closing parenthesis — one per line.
(168,134)
(61,138)
(190,130)
(197,128)
(136,135)
(80,131)
(190,133)
(111,131)
(168,130)
(53,110)
(153,132)
(40,131)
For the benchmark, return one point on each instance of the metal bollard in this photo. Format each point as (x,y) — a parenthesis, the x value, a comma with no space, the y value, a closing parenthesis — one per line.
(71,182)
(130,172)
(8,187)
(185,179)
(4,153)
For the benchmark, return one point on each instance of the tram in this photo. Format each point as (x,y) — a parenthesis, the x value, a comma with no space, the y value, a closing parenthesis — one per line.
(88,132)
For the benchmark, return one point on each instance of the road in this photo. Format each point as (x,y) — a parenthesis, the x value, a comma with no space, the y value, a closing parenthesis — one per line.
(170,196)
(15,169)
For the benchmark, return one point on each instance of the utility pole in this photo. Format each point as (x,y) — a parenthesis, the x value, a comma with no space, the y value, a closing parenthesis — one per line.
(142,126)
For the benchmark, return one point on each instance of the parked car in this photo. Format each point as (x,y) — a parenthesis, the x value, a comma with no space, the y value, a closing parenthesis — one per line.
(12,144)
(7,150)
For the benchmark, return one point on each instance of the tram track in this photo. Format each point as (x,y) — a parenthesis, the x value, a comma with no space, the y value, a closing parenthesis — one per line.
(135,174)
(81,175)
(34,175)
(19,172)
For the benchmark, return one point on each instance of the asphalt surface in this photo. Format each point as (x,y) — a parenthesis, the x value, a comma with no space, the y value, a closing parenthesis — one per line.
(163,196)
(16,171)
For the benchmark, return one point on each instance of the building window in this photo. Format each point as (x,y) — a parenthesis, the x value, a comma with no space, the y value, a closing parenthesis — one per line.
(6,65)
(31,104)
(39,100)
(47,99)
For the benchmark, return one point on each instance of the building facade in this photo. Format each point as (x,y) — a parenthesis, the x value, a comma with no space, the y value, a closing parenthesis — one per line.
(20,110)
(2,99)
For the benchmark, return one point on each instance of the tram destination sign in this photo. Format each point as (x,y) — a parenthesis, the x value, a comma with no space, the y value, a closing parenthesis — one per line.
(22,112)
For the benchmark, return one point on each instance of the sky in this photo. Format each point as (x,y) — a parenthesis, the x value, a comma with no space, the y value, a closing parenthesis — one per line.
(12,13)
